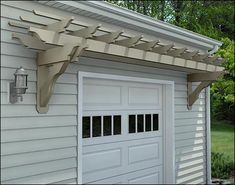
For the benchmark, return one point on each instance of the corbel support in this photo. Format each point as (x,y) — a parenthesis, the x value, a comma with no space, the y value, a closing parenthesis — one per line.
(51,64)
(205,78)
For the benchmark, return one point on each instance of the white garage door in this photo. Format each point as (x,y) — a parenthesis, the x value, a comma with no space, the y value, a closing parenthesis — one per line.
(122,132)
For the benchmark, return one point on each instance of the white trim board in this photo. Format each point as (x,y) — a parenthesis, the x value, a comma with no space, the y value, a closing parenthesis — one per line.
(168,136)
(208,137)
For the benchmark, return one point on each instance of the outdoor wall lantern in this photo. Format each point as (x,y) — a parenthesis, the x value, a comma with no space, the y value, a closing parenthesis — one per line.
(19,86)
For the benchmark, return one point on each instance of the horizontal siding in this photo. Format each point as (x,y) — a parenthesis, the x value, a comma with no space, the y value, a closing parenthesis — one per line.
(189,149)
(190,156)
(68,181)
(41,148)
(13,123)
(46,178)
(37,145)
(26,110)
(37,157)
(56,99)
(37,133)
(34,169)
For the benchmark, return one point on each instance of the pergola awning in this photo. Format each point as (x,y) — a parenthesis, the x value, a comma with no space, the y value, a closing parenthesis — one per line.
(66,39)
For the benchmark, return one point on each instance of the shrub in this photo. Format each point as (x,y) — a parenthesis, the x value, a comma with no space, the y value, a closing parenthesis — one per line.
(221,165)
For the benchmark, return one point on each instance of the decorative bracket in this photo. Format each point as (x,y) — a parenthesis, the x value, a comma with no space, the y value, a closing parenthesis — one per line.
(205,78)
(51,64)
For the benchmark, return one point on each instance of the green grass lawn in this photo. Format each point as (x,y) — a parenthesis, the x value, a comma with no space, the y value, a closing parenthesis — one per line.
(222,138)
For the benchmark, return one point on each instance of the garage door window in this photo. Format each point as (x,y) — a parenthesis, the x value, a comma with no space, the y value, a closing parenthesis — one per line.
(155,121)
(117,124)
(97,126)
(107,121)
(148,122)
(143,123)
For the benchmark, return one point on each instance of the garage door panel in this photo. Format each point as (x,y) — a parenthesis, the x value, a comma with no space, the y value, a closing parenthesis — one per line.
(98,175)
(101,95)
(151,175)
(149,179)
(112,159)
(143,153)
(102,160)
(143,96)
(108,143)
(135,154)
(106,160)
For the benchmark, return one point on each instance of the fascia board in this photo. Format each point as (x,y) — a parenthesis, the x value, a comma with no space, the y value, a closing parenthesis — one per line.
(138,20)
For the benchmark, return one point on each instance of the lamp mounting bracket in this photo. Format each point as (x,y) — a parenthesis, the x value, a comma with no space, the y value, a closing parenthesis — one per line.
(205,78)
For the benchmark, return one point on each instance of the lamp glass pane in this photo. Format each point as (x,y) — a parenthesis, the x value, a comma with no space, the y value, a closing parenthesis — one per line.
(20,81)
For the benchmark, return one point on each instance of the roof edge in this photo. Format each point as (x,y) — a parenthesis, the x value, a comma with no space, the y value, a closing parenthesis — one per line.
(149,20)
(119,11)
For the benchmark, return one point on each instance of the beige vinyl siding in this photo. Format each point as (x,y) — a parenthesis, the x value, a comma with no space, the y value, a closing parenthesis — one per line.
(42,148)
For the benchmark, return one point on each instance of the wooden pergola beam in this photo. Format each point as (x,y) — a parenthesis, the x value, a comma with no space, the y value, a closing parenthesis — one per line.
(58,44)
(176,52)
(59,26)
(109,37)
(198,77)
(210,59)
(163,49)
(86,32)
(129,42)
(147,46)
(30,41)
(200,57)
(189,55)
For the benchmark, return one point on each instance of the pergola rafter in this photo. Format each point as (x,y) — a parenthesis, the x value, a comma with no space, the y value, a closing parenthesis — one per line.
(58,43)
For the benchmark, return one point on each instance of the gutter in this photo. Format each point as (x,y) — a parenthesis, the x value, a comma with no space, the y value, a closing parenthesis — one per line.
(214,50)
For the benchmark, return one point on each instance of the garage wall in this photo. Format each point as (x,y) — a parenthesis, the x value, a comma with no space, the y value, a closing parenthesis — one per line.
(35,148)
(41,148)
(190,152)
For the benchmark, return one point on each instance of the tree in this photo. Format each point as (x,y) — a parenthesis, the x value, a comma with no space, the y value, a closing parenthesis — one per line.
(222,91)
